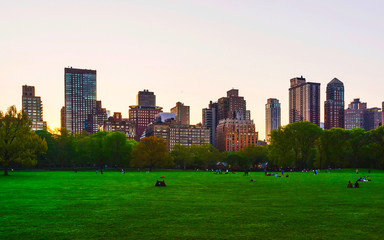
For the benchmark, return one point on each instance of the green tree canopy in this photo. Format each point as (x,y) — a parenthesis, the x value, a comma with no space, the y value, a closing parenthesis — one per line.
(18,144)
(151,152)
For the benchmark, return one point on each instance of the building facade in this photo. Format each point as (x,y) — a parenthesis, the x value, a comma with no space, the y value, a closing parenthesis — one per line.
(304,101)
(80,97)
(33,106)
(96,119)
(142,116)
(210,120)
(62,117)
(144,112)
(372,118)
(355,115)
(181,113)
(272,116)
(146,98)
(117,123)
(334,105)
(174,133)
(235,134)
(232,106)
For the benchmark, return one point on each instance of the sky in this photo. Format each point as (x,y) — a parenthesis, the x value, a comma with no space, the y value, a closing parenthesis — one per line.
(191,51)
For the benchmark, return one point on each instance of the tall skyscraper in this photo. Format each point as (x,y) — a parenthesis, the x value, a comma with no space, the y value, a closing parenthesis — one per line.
(210,120)
(272,116)
(33,106)
(181,113)
(80,97)
(232,106)
(334,105)
(143,115)
(146,98)
(304,101)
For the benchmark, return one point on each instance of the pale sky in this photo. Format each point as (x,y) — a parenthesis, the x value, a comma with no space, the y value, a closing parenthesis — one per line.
(191,51)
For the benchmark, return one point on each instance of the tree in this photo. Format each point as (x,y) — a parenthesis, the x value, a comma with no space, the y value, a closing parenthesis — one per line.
(303,135)
(151,152)
(18,144)
(255,154)
(65,148)
(117,149)
(182,156)
(50,157)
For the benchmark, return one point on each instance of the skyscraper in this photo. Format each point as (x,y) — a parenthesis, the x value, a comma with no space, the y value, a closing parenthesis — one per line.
(304,101)
(80,97)
(272,116)
(232,106)
(33,106)
(62,117)
(143,115)
(334,105)
(210,120)
(146,98)
(181,113)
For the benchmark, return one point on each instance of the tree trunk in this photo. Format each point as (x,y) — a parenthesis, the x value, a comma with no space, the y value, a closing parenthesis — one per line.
(6,171)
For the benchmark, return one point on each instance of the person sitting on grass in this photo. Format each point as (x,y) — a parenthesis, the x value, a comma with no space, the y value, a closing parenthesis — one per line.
(349,184)
(287,175)
(162,183)
(357,185)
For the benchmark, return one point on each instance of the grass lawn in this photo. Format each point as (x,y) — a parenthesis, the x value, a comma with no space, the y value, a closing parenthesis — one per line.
(194,205)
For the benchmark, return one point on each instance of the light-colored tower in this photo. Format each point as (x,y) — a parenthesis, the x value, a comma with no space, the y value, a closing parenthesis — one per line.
(272,116)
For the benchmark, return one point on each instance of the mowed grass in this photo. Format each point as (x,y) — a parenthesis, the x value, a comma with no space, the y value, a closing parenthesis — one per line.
(194,205)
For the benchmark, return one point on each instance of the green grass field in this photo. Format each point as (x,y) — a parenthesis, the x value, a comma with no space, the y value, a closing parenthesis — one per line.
(194,205)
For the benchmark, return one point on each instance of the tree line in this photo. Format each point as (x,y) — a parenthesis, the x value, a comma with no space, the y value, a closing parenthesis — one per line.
(298,145)
(305,145)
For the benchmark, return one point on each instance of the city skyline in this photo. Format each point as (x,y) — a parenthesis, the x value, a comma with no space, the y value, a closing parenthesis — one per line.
(184,54)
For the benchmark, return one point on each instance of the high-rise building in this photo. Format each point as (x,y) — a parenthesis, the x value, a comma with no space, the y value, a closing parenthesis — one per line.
(80,97)
(62,117)
(33,106)
(117,123)
(304,101)
(372,118)
(272,116)
(210,120)
(146,98)
(235,134)
(334,105)
(232,106)
(181,113)
(96,119)
(382,114)
(144,112)
(355,115)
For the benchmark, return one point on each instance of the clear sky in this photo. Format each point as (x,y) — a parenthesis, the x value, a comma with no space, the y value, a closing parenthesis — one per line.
(191,51)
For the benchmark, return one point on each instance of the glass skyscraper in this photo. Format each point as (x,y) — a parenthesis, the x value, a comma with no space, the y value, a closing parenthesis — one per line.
(80,97)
